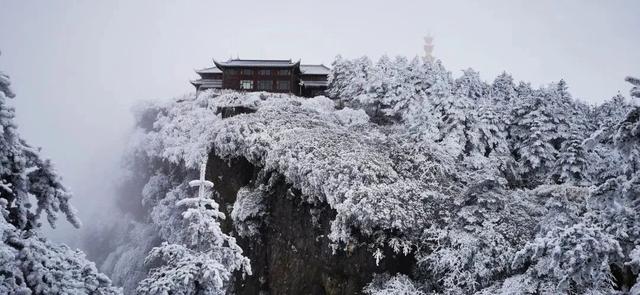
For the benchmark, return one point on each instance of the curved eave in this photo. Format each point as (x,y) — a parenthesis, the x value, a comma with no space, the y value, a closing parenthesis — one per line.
(218,65)
(199,72)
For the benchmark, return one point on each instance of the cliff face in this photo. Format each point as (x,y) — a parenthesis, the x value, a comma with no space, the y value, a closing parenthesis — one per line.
(292,254)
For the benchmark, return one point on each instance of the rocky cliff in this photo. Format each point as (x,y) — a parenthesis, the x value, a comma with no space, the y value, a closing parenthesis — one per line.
(292,254)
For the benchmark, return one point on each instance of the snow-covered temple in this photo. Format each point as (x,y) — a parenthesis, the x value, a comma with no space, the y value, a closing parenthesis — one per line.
(283,76)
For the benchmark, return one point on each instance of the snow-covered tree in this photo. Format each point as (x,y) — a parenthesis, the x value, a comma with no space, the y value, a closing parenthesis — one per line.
(635,90)
(604,160)
(490,129)
(503,88)
(30,264)
(532,132)
(205,260)
(249,210)
(470,85)
(627,140)
(523,89)
(610,113)
(574,258)
(5,84)
(627,135)
(571,163)
(563,90)
(572,128)
(392,285)
(349,79)
(23,174)
(457,118)
(405,85)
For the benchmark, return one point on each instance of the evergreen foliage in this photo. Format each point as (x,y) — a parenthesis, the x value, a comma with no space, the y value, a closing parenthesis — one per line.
(29,189)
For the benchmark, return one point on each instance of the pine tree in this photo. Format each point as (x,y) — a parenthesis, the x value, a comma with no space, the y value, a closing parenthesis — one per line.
(610,113)
(380,77)
(435,86)
(563,90)
(349,79)
(5,84)
(489,129)
(532,132)
(503,88)
(627,140)
(23,172)
(574,258)
(438,79)
(523,90)
(456,117)
(635,90)
(470,85)
(571,165)
(203,263)
(627,135)
(569,116)
(30,264)
(615,204)
(380,86)
(404,83)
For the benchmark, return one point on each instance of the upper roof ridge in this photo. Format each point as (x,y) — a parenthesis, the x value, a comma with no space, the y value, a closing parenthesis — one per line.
(249,59)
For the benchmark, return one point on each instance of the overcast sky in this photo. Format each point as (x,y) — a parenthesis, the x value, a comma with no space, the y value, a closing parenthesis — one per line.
(78,66)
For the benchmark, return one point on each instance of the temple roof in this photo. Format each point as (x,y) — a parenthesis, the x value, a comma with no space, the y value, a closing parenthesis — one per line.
(211,70)
(272,63)
(207,83)
(314,70)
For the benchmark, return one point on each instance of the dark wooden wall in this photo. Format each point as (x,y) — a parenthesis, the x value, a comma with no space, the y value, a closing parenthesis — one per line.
(233,76)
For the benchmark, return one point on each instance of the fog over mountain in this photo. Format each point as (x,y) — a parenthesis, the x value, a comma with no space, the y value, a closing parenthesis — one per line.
(85,75)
